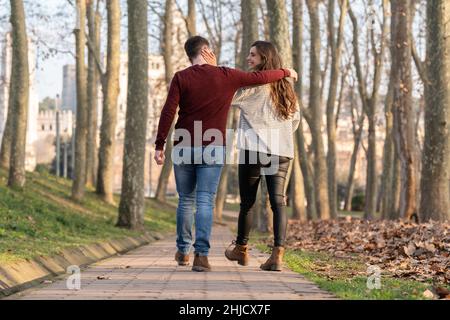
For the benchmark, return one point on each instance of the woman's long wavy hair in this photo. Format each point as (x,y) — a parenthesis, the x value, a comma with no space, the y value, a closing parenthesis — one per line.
(282,93)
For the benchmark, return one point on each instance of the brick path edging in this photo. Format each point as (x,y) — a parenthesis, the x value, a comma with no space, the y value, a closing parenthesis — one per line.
(18,276)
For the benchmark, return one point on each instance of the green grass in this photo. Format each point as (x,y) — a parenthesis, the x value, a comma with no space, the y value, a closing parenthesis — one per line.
(41,219)
(346,278)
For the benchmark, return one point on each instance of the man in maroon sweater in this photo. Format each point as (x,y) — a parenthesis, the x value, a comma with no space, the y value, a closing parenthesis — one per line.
(203,93)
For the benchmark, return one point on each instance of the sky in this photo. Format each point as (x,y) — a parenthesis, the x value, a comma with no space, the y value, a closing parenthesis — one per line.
(49,76)
(40,21)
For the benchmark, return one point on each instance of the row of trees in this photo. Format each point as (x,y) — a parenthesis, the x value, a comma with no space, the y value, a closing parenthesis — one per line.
(399,193)
(350,79)
(13,143)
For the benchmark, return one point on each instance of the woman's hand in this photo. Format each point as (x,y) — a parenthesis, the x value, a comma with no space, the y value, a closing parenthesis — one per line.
(293,74)
(209,57)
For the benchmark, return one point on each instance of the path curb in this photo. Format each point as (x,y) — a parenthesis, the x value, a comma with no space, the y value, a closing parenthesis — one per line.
(22,275)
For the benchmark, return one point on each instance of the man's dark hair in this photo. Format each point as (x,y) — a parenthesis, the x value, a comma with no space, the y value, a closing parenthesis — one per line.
(194,45)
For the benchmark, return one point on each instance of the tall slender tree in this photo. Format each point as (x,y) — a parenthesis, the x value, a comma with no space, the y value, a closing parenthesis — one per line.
(78,186)
(335,43)
(167,48)
(435,193)
(394,206)
(131,208)
(320,167)
(301,156)
(191,19)
(387,179)
(110,86)
(279,29)
(404,124)
(94,25)
(20,88)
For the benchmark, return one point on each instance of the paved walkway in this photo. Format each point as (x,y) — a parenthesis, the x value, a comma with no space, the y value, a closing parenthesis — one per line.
(150,272)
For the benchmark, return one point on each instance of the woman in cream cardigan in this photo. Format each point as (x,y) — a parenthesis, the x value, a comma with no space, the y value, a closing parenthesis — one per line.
(269,117)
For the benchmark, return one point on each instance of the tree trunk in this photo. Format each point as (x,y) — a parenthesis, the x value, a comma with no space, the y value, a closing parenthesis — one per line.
(320,166)
(302,155)
(191,19)
(264,20)
(232,122)
(435,199)
(336,50)
(105,181)
(308,175)
(354,158)
(20,81)
(386,191)
(94,25)
(298,197)
(404,124)
(279,29)
(221,194)
(249,18)
(78,187)
(394,206)
(371,180)
(167,52)
(297,45)
(297,192)
(131,208)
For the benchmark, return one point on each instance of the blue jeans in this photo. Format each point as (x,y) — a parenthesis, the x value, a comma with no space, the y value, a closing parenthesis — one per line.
(197,181)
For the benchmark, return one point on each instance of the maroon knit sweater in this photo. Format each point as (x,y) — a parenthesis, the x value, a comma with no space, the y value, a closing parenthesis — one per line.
(204,93)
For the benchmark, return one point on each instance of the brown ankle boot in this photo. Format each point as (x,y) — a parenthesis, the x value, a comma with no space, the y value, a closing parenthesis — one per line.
(182,259)
(239,253)
(274,263)
(201,264)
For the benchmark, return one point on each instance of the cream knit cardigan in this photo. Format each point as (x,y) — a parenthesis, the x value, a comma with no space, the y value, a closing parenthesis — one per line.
(260,129)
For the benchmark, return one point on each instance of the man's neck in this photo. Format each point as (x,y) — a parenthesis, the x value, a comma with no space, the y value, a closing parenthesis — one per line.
(198,61)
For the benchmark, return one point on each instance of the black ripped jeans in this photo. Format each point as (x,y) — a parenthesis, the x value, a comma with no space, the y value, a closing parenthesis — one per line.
(275,169)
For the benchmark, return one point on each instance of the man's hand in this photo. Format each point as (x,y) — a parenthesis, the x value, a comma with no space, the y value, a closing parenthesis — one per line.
(209,57)
(293,73)
(160,157)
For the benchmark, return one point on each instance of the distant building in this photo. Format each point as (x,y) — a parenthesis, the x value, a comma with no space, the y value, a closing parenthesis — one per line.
(46,133)
(69,88)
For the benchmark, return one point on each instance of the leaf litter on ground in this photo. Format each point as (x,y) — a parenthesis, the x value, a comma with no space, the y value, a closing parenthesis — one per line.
(399,248)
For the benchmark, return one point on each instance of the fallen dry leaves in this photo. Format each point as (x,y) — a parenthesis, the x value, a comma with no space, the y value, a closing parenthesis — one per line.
(402,249)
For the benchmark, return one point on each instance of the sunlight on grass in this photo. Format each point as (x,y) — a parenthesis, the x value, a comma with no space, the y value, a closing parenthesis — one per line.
(42,219)
(347,278)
